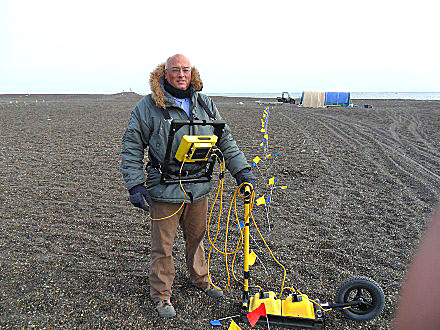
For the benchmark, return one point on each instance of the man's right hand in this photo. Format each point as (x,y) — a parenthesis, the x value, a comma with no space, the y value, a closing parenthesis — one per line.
(138,196)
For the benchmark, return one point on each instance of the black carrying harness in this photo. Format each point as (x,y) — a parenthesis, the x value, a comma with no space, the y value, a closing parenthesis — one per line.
(165,172)
(202,102)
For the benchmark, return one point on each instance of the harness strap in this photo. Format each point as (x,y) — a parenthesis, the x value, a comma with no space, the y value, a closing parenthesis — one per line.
(166,112)
(205,106)
(158,167)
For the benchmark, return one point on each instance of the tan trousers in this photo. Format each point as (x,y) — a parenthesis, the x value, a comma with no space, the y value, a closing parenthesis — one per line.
(192,220)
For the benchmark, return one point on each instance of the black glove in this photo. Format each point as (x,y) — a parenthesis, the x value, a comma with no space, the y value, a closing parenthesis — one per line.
(245,175)
(138,196)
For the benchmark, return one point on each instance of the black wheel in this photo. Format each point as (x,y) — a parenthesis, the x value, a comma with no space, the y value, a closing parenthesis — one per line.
(361,289)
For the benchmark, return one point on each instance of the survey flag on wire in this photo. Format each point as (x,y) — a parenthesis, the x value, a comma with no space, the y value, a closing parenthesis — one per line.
(261,200)
(252,258)
(215,323)
(233,326)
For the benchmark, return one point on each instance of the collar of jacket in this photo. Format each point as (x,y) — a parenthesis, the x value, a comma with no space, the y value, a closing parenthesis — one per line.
(160,96)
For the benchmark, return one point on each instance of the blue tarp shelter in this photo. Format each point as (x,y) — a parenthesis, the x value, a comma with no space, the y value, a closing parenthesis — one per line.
(337,98)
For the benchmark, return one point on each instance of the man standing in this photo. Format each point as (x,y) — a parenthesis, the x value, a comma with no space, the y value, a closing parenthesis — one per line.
(175,88)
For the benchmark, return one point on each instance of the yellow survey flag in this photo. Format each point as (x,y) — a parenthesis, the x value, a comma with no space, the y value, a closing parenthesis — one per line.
(252,258)
(268,156)
(263,130)
(266,136)
(256,160)
(283,187)
(271,181)
(233,326)
(261,201)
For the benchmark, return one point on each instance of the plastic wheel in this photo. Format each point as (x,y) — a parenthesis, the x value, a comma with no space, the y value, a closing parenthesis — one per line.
(361,289)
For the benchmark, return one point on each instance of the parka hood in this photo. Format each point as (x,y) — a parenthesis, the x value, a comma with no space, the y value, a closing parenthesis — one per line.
(156,84)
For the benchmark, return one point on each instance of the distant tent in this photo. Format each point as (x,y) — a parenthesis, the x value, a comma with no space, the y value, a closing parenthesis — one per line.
(337,98)
(313,99)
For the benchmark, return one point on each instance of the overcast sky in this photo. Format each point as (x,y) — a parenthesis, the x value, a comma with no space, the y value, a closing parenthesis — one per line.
(87,46)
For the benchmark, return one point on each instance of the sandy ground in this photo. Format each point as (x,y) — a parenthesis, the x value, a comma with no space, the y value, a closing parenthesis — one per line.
(362,185)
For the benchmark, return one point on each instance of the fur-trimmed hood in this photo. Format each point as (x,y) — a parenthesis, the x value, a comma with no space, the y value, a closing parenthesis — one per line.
(156,84)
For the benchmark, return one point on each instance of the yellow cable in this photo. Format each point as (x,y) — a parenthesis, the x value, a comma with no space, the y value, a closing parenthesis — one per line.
(223,252)
(219,192)
(270,251)
(184,198)
(293,290)
(212,242)
(323,309)
(240,241)
(239,244)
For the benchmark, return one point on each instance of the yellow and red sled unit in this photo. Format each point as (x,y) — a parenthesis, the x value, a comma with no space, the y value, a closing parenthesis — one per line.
(358,298)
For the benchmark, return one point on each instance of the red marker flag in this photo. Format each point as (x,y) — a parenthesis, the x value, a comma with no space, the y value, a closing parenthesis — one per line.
(255,314)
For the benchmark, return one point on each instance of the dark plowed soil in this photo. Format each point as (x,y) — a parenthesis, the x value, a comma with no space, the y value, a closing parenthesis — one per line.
(362,184)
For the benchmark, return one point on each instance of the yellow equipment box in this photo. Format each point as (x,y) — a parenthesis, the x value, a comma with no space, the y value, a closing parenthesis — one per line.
(302,308)
(195,148)
(273,306)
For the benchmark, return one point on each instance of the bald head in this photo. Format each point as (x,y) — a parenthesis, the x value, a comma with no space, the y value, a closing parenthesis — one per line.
(178,71)
(174,58)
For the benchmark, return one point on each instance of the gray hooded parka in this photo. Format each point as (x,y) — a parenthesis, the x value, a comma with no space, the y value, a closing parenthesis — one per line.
(148,130)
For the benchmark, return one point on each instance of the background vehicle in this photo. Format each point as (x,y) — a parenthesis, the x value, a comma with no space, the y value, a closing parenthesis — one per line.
(285,98)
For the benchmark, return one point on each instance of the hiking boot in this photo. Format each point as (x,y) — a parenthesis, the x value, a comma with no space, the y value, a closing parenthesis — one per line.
(213,292)
(165,309)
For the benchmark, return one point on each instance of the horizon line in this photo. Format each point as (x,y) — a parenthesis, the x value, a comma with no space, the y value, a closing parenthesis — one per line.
(217,93)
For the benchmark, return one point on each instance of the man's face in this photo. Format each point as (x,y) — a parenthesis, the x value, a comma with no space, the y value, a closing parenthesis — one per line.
(178,72)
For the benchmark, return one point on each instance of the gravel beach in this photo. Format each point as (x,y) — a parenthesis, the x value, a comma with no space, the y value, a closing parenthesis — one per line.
(362,184)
